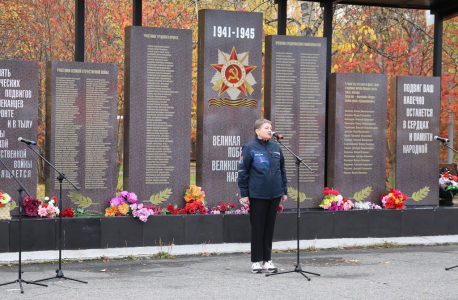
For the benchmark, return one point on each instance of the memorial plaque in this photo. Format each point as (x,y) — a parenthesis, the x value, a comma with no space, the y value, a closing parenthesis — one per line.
(228,97)
(157,140)
(81,105)
(415,120)
(18,118)
(295,102)
(356,158)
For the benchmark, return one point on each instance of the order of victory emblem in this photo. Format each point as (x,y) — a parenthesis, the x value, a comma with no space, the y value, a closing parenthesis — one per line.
(233,76)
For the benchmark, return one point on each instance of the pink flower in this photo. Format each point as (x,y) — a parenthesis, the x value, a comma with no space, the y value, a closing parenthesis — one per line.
(132,198)
(42,212)
(115,201)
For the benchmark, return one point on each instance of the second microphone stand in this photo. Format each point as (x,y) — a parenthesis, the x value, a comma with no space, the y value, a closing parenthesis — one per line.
(60,178)
(20,189)
(444,143)
(297,268)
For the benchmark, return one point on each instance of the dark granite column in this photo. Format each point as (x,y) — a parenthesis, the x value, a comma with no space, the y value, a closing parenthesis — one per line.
(356,155)
(18,118)
(157,117)
(81,104)
(295,97)
(229,97)
(414,121)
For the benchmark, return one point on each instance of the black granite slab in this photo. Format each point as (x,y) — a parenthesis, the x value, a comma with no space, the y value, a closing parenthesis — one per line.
(164,231)
(203,229)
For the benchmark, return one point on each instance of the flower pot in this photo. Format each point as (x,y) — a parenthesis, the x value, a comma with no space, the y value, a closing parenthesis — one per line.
(446,197)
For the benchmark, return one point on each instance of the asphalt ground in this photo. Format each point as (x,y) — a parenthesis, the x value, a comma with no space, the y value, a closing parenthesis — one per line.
(372,272)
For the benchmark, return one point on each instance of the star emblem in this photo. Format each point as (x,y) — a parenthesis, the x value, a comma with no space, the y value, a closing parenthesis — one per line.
(233,74)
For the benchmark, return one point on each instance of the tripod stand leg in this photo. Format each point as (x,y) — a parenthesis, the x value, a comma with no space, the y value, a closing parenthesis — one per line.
(75,279)
(302,272)
(32,282)
(60,274)
(267,275)
(311,273)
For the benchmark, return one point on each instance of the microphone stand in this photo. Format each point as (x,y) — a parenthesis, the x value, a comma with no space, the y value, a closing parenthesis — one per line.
(20,189)
(444,143)
(297,268)
(60,178)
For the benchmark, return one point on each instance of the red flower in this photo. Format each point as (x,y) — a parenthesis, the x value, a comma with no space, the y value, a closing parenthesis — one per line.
(45,205)
(202,210)
(70,212)
(170,207)
(454,178)
(280,208)
(192,210)
(232,205)
(175,211)
(223,207)
(183,211)
(55,199)
(64,214)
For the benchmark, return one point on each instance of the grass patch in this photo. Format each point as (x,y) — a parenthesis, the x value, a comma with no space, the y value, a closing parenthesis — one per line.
(162,254)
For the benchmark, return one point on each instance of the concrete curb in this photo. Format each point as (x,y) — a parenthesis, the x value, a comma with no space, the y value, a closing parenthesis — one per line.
(41,256)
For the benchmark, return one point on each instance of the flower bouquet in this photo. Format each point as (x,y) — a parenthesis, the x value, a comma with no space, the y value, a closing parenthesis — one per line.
(31,206)
(195,201)
(119,206)
(48,208)
(366,205)
(141,211)
(195,207)
(332,200)
(68,213)
(394,199)
(5,202)
(448,183)
(194,193)
(226,209)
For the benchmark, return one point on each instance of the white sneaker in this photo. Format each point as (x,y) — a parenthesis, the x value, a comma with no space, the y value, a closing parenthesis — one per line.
(256,268)
(269,267)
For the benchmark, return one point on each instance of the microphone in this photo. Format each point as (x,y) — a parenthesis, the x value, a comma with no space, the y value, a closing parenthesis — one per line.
(278,136)
(443,140)
(26,141)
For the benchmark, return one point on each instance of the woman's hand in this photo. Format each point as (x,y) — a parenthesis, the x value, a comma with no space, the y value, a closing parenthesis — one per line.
(284,198)
(245,200)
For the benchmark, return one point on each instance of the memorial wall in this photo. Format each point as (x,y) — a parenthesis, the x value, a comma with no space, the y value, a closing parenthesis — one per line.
(414,122)
(157,116)
(81,141)
(229,97)
(18,118)
(356,164)
(295,102)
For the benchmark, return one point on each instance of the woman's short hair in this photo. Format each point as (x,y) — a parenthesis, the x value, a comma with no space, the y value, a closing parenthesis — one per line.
(259,123)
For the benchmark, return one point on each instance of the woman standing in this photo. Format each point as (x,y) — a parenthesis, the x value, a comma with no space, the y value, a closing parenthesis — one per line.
(262,183)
